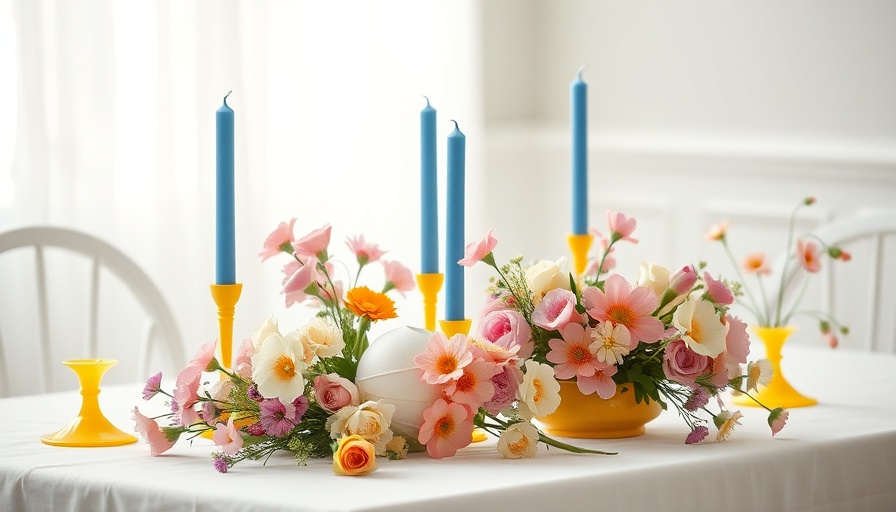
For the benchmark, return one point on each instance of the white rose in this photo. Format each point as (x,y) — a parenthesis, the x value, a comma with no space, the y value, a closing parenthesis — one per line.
(545,276)
(519,441)
(654,277)
(321,338)
(369,420)
(270,325)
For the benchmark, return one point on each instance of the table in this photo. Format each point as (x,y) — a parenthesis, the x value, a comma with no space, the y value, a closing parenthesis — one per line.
(837,456)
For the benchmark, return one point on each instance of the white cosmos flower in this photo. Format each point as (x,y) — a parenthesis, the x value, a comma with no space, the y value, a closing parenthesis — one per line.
(759,373)
(277,367)
(703,331)
(540,392)
(610,342)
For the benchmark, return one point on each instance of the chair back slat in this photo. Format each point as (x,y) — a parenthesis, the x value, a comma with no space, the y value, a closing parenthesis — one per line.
(43,312)
(93,308)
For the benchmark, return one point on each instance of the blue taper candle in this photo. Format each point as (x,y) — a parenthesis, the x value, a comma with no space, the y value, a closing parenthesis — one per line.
(429,217)
(454,231)
(579,115)
(225,238)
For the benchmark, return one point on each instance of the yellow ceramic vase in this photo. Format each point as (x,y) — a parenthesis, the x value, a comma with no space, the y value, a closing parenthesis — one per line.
(779,392)
(592,417)
(90,427)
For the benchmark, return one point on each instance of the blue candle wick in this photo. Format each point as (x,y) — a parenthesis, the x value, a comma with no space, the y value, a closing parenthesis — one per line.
(455,125)
(225,98)
(579,74)
(427,101)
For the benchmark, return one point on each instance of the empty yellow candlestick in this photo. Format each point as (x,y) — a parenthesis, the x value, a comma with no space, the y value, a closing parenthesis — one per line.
(226,297)
(429,285)
(579,245)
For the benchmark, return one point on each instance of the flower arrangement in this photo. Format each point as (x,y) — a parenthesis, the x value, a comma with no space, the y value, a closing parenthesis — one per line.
(293,391)
(668,337)
(805,257)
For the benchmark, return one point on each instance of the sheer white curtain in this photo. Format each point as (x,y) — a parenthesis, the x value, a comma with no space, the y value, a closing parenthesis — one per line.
(115,129)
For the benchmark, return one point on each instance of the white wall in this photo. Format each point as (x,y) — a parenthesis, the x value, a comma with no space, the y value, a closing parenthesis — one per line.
(698,111)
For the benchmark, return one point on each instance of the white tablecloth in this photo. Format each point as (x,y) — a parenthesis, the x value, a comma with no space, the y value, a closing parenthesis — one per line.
(837,456)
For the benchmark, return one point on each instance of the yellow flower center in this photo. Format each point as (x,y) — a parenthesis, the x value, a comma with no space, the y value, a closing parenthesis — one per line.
(580,354)
(696,331)
(620,314)
(284,368)
(445,426)
(447,363)
(466,382)
(519,447)
(539,390)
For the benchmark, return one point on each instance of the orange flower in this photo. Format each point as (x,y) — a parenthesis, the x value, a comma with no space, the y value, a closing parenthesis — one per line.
(363,301)
(354,457)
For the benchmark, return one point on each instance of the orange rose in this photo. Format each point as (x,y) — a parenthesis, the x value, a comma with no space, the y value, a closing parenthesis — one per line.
(354,457)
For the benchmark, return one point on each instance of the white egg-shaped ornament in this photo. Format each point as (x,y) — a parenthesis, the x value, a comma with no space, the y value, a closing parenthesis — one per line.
(387,372)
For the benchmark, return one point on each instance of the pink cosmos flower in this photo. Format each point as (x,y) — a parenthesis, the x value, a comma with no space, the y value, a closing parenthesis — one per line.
(621,227)
(152,388)
(447,427)
(756,263)
(508,329)
(243,362)
(365,252)
(601,382)
(737,341)
(571,355)
(228,437)
(280,240)
(314,243)
(444,359)
(556,309)
(334,392)
(807,256)
(625,306)
(717,231)
(777,419)
(716,291)
(185,416)
(151,433)
(187,383)
(683,365)
(475,386)
(398,276)
(506,384)
(832,340)
(298,276)
(477,251)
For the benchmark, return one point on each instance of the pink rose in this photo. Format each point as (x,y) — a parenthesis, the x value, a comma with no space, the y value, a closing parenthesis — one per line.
(334,392)
(683,364)
(507,328)
(557,309)
(716,291)
(506,385)
(682,281)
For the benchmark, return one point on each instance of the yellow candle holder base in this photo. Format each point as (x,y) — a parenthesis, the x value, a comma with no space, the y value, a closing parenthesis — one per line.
(429,286)
(452,327)
(226,297)
(779,392)
(89,428)
(579,245)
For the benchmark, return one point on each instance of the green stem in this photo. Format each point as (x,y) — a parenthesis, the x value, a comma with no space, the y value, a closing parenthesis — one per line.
(788,249)
(756,309)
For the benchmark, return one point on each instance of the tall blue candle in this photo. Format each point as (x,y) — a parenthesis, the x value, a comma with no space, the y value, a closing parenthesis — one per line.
(429,217)
(454,231)
(579,114)
(225,238)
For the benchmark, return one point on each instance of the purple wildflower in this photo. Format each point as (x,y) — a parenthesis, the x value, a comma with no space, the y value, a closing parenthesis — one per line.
(255,429)
(277,418)
(698,399)
(253,394)
(221,464)
(152,386)
(697,435)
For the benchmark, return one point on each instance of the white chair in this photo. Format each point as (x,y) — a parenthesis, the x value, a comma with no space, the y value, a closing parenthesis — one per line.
(860,293)
(54,297)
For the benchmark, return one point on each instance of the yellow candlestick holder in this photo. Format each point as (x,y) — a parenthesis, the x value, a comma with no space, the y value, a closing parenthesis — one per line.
(429,285)
(452,327)
(226,297)
(579,245)
(90,427)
